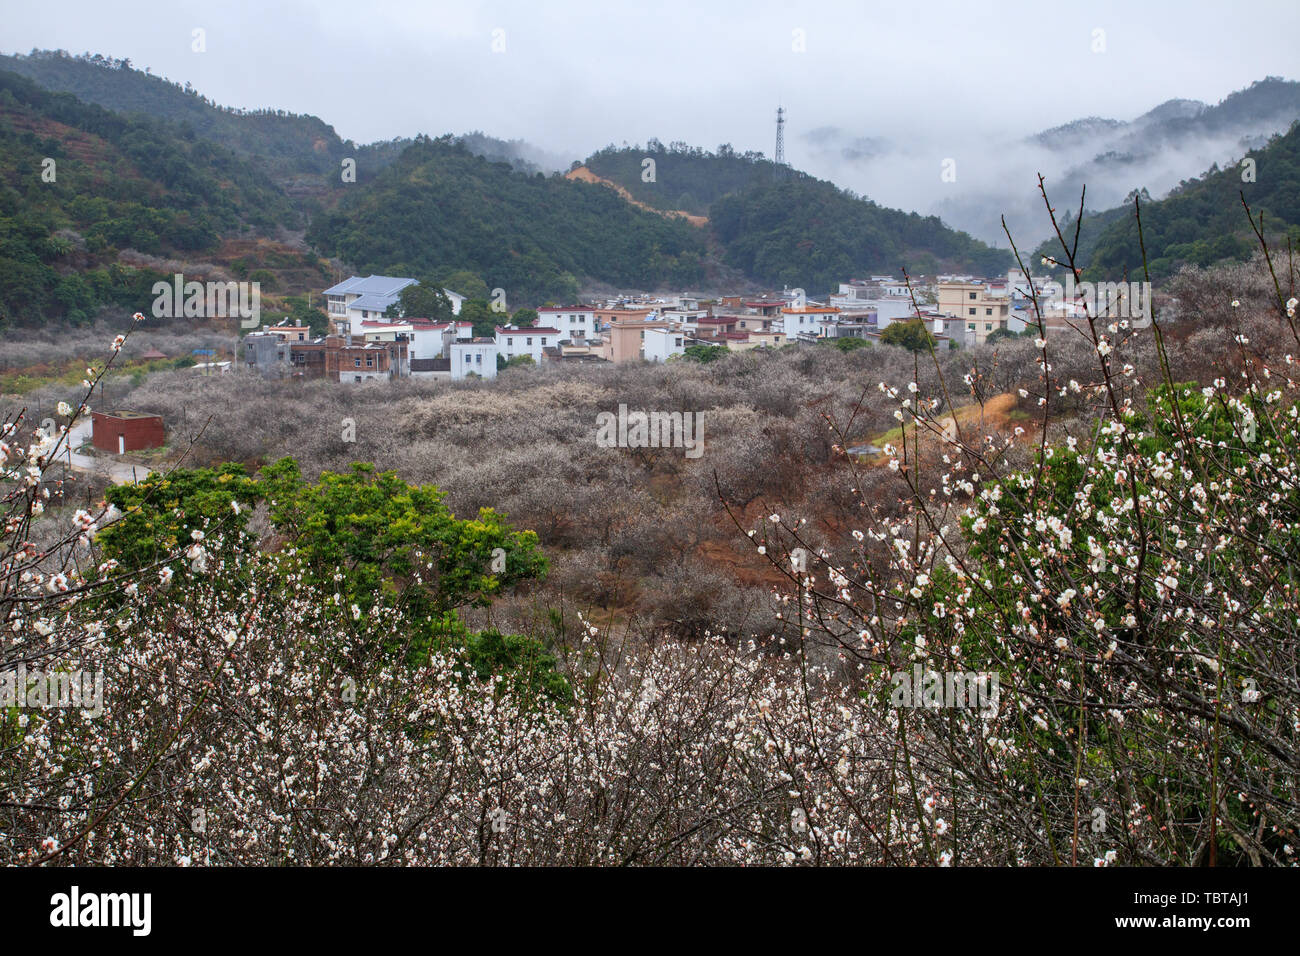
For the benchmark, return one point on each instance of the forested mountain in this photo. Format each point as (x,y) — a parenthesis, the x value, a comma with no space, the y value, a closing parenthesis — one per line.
(1202,221)
(163,176)
(687,178)
(1095,223)
(289,144)
(440,206)
(806,232)
(81,183)
(783,226)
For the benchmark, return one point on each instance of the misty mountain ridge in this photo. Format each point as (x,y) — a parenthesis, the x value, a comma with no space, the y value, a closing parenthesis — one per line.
(422,203)
(1172,142)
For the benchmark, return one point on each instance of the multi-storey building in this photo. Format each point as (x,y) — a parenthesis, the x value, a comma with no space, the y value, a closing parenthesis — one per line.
(354,300)
(512,342)
(808,320)
(972,302)
(572,321)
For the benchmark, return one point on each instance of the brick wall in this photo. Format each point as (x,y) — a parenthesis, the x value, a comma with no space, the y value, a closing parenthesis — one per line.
(145,431)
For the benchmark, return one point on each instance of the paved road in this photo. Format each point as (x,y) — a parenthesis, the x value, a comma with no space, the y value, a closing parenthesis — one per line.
(120,472)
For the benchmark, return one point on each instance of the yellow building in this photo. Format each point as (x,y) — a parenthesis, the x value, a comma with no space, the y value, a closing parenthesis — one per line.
(982,313)
(625,341)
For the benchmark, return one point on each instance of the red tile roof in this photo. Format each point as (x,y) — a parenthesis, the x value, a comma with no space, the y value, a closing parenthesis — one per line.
(424,325)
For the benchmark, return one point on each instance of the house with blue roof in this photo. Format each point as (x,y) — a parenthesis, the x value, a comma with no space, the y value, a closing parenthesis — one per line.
(356,300)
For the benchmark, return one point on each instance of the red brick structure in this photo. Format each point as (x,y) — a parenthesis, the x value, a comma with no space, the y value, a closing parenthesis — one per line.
(340,359)
(120,431)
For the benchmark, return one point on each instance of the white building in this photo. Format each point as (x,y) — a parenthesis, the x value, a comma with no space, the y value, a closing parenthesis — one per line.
(659,344)
(473,356)
(688,319)
(571,321)
(358,300)
(808,320)
(889,310)
(852,295)
(431,339)
(427,339)
(511,342)
(457,300)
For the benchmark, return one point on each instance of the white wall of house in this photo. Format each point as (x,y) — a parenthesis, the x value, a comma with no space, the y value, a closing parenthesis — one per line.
(688,318)
(890,310)
(477,357)
(429,343)
(570,322)
(358,316)
(661,343)
(807,323)
(513,342)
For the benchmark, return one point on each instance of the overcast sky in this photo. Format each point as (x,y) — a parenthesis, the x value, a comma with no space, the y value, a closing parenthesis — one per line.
(577,74)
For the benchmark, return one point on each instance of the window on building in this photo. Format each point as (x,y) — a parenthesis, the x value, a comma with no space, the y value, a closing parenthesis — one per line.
(988,311)
(529,340)
(988,326)
(356,378)
(970,295)
(357,362)
(370,361)
(971,311)
(970,326)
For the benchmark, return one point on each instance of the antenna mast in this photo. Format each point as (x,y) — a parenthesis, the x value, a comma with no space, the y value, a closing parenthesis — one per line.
(780,136)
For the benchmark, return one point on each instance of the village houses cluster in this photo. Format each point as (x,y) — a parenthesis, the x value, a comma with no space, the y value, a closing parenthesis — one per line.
(365,345)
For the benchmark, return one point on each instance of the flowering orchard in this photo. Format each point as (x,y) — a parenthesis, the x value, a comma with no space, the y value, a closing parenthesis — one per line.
(1128,569)
(290,676)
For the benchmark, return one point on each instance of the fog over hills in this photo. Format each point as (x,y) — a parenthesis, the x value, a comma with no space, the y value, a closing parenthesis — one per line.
(1174,141)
